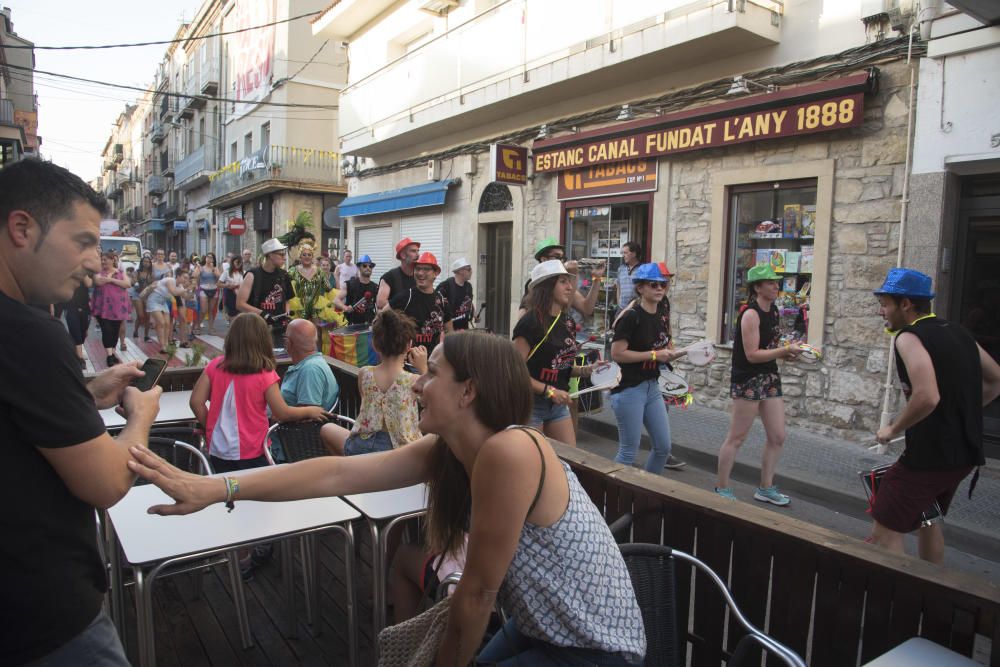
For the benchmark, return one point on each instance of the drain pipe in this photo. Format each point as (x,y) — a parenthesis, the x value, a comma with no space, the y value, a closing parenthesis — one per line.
(889,390)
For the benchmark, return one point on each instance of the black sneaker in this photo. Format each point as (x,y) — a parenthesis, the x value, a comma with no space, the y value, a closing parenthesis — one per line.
(112,360)
(673,463)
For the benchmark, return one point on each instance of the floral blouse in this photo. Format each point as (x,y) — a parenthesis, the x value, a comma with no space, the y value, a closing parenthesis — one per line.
(111,302)
(308,291)
(394,410)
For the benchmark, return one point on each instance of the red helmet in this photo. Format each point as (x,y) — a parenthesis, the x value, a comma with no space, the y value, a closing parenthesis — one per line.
(405,241)
(428,259)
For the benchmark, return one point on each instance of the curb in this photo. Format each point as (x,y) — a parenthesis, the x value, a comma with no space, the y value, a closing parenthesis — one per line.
(965,539)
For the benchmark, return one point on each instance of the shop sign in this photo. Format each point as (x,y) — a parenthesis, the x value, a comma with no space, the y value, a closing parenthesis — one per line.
(508,164)
(760,119)
(608,179)
(237,226)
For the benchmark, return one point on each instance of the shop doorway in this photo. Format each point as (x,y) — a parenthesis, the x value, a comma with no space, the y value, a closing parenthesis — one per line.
(976,296)
(499,248)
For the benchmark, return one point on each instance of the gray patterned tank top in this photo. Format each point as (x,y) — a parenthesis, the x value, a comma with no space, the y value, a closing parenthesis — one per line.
(568,584)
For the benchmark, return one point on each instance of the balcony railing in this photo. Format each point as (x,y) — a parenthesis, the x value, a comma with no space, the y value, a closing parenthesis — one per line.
(194,170)
(155,184)
(515,38)
(118,154)
(278,164)
(159,131)
(209,77)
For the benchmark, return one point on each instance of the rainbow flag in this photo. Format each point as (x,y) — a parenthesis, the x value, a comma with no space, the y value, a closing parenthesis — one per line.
(353,345)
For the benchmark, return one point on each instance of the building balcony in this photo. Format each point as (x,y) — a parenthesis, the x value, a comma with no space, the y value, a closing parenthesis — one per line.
(512,59)
(118,154)
(159,131)
(208,77)
(155,184)
(274,168)
(194,170)
(166,166)
(187,104)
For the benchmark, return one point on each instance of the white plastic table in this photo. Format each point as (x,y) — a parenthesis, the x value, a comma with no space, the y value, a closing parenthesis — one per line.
(920,652)
(388,508)
(151,543)
(174,409)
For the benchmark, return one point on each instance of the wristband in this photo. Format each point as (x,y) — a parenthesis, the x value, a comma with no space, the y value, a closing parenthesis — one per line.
(549,392)
(653,353)
(232,488)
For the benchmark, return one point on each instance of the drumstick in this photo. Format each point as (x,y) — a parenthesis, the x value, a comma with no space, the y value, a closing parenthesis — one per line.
(879,448)
(367,296)
(701,343)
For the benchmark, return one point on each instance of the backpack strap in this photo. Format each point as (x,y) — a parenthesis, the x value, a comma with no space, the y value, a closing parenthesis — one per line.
(545,337)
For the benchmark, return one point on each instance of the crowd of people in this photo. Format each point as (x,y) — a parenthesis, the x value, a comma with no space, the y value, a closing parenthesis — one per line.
(466,412)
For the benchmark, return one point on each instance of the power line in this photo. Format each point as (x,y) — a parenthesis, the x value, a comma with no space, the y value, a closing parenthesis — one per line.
(171,94)
(162,41)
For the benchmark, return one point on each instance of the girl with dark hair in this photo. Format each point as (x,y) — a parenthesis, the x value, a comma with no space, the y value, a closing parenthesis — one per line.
(546,338)
(388,415)
(143,279)
(523,508)
(207,276)
(642,341)
(230,282)
(755,385)
(110,304)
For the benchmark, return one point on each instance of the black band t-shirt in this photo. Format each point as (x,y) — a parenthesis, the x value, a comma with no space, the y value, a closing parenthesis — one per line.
(644,332)
(270,291)
(460,299)
(397,281)
(552,362)
(430,311)
(52,576)
(770,338)
(361,297)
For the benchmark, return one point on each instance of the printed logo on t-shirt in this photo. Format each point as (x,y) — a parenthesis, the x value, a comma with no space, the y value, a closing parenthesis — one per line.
(274,301)
(567,353)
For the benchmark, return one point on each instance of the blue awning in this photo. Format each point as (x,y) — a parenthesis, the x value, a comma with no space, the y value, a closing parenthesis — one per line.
(154,225)
(415,196)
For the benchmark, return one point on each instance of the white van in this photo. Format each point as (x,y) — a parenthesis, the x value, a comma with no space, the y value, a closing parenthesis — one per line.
(128,249)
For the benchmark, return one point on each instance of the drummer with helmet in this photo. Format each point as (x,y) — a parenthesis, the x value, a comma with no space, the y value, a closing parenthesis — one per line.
(400,279)
(357,300)
(642,341)
(428,308)
(755,385)
(947,378)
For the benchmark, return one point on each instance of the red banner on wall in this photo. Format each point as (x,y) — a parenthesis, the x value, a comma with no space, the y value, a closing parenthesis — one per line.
(608,179)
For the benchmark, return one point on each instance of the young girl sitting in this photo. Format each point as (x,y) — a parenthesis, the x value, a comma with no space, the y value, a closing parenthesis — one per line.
(240,386)
(388,415)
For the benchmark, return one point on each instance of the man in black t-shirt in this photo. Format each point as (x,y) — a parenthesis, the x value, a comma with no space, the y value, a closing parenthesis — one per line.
(947,378)
(266,290)
(401,278)
(428,308)
(59,461)
(358,300)
(458,291)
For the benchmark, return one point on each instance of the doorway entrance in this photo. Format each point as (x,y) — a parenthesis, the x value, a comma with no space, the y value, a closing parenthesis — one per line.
(976,295)
(499,246)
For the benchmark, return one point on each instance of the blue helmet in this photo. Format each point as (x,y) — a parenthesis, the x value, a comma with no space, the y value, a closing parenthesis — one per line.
(650,272)
(908,283)
(365,259)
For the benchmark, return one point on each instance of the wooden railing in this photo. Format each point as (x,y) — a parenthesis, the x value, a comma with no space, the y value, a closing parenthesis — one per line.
(834,599)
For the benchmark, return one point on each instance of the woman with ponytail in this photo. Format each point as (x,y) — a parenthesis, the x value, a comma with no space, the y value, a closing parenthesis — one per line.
(536,540)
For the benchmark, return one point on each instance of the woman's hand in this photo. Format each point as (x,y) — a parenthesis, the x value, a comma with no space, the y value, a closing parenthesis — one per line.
(790,352)
(190,492)
(560,397)
(666,355)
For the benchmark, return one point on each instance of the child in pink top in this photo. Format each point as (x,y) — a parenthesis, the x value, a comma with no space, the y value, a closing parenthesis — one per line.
(240,386)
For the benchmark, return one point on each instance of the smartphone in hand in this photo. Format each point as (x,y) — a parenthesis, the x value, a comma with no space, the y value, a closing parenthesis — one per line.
(152,370)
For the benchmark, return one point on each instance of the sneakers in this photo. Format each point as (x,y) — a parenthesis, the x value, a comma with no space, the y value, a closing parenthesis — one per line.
(111,360)
(674,463)
(726,492)
(771,495)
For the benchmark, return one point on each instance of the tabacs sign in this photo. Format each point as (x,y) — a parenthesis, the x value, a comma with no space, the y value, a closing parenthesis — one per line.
(811,109)
(608,179)
(508,164)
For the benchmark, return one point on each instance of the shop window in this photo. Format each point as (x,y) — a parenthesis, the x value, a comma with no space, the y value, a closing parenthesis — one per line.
(772,223)
(599,232)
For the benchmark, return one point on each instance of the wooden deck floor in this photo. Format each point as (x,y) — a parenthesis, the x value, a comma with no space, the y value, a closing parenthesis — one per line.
(194,631)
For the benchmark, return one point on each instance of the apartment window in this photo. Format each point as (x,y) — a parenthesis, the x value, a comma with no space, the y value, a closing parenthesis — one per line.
(190,140)
(265,135)
(201,131)
(232,152)
(772,223)
(247,144)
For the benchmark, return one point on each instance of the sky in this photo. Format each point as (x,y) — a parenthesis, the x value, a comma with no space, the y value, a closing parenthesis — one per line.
(75,119)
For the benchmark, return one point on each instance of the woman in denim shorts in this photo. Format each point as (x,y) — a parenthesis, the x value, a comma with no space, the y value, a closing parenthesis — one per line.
(546,338)
(755,384)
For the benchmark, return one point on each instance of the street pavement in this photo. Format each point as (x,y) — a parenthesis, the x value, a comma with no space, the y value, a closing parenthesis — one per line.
(814,469)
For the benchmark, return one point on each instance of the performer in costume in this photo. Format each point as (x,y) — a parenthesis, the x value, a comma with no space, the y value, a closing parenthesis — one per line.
(755,385)
(642,341)
(358,300)
(309,285)
(428,308)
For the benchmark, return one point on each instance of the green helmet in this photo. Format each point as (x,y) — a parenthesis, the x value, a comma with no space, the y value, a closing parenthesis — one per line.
(762,272)
(545,245)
